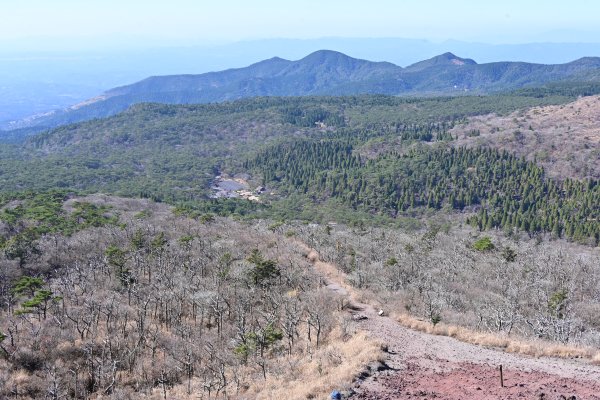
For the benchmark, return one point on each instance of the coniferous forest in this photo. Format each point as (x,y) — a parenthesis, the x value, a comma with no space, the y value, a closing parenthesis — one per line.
(506,192)
(375,156)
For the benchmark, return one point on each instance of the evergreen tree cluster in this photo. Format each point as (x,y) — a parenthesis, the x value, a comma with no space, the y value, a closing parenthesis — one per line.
(425,132)
(311,116)
(26,216)
(503,190)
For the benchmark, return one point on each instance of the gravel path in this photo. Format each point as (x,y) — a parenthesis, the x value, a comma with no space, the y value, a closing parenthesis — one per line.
(439,367)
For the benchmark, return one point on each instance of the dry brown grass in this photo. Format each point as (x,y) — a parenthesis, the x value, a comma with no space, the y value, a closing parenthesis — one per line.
(333,366)
(537,348)
(312,375)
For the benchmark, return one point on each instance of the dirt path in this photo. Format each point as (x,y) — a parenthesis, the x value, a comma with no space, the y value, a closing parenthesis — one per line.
(439,367)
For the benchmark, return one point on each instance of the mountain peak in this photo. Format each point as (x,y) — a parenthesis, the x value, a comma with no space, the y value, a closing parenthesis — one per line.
(446,59)
(334,59)
(326,55)
(447,54)
(587,61)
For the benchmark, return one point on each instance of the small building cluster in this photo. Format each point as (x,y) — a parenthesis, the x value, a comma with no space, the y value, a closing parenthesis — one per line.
(224,187)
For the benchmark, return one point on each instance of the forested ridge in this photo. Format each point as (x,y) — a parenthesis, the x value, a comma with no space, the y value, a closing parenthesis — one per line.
(373,155)
(172,152)
(369,155)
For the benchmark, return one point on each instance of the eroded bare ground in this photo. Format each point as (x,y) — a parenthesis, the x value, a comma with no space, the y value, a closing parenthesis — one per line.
(475,381)
(439,367)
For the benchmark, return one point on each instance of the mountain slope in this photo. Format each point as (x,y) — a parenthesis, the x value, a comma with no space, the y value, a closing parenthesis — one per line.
(563,139)
(327,73)
(174,151)
(314,73)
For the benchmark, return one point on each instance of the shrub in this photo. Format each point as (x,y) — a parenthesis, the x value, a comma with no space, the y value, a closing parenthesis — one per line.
(484,244)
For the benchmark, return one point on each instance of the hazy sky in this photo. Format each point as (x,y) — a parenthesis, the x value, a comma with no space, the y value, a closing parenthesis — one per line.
(195,21)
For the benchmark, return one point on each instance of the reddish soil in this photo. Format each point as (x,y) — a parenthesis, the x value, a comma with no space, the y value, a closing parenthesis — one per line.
(424,366)
(439,367)
(473,381)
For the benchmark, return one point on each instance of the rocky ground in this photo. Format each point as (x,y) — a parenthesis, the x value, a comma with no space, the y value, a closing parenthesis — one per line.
(424,366)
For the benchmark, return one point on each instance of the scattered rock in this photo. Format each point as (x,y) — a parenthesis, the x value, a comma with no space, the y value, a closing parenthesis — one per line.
(380,366)
(359,317)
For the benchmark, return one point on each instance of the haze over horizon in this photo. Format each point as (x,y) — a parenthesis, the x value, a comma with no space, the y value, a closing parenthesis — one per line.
(55,54)
(111,24)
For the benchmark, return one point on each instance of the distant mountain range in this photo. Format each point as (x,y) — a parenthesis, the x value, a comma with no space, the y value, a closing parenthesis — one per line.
(38,76)
(326,73)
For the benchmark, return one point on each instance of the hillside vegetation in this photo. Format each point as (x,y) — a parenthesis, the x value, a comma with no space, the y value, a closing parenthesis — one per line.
(175,292)
(152,305)
(169,151)
(490,283)
(351,158)
(133,301)
(508,192)
(564,139)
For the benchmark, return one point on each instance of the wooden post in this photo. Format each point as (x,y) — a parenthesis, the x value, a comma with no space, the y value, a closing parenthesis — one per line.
(501,377)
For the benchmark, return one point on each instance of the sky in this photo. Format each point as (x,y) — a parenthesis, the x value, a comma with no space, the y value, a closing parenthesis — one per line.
(115,23)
